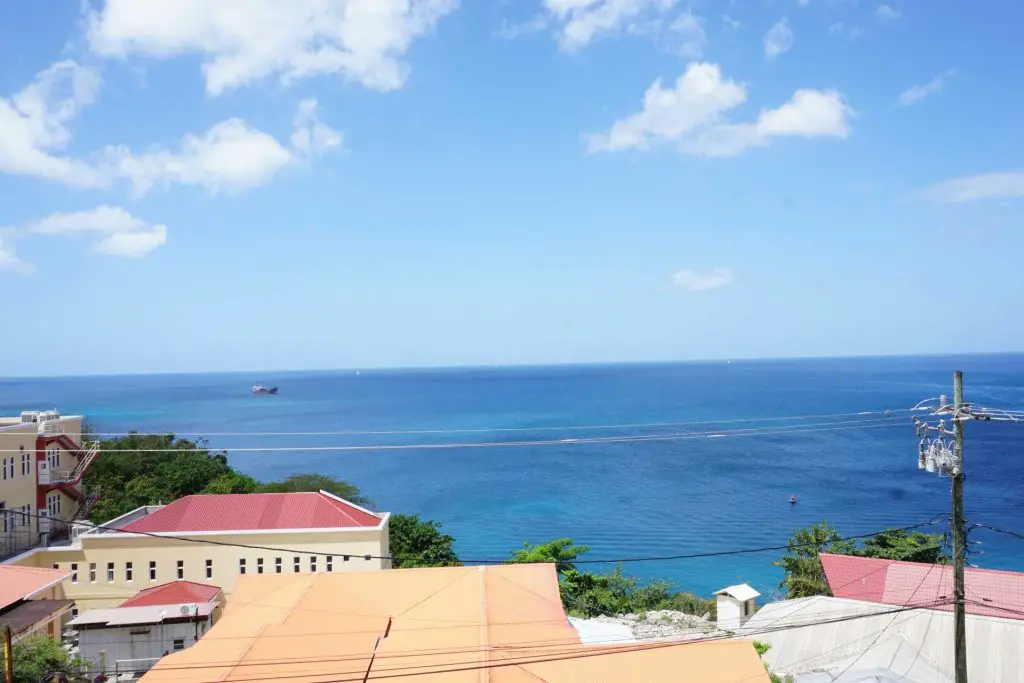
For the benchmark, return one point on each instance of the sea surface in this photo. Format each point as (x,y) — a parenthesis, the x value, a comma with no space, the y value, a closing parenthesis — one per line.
(716,476)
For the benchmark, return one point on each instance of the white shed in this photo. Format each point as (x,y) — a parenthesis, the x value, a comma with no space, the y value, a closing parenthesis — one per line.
(736,604)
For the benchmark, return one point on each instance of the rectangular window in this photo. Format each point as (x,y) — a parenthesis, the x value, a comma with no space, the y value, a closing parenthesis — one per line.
(209,569)
(74,612)
(53,457)
(110,572)
(56,566)
(152,570)
(179,644)
(26,463)
(345,558)
(312,563)
(277,565)
(241,566)
(128,572)
(74,572)
(259,565)
(330,563)
(298,564)
(367,557)
(27,519)
(181,569)
(92,572)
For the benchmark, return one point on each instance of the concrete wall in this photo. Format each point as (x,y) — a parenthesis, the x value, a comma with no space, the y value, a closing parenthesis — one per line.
(19,489)
(119,550)
(110,648)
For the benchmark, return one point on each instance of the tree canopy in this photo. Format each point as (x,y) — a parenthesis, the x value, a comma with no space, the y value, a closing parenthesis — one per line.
(804,575)
(416,542)
(39,656)
(138,469)
(560,551)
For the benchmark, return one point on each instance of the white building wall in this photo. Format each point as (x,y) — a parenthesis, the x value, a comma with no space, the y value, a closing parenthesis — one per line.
(134,648)
(730,613)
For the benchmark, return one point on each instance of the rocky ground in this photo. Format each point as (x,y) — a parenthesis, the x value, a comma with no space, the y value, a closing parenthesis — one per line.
(662,624)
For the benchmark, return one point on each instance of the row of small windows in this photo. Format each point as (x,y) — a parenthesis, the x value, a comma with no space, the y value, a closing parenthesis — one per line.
(129,569)
(9,466)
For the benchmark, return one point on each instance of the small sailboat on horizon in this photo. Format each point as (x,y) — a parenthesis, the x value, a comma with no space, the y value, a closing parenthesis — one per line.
(260,389)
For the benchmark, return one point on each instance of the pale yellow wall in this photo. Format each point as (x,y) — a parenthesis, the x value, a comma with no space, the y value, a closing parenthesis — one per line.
(140,551)
(20,489)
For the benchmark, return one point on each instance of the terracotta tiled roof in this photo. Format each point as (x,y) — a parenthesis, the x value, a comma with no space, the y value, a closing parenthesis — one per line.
(254,512)
(988,592)
(174,593)
(21,583)
(502,624)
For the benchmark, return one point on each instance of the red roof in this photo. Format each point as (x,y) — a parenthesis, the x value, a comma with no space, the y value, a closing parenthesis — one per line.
(174,593)
(254,512)
(988,592)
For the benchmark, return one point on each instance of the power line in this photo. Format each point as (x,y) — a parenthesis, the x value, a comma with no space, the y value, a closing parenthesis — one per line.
(875,423)
(662,558)
(484,430)
(1008,532)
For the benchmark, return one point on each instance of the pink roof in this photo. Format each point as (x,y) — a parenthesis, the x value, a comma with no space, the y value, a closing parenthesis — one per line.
(174,593)
(21,583)
(254,512)
(988,592)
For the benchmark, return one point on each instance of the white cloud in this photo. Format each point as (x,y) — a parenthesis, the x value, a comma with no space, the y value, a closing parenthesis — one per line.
(582,21)
(985,186)
(122,233)
(244,41)
(232,156)
(730,23)
(33,125)
(311,136)
(511,31)
(779,39)
(915,93)
(9,260)
(688,31)
(691,115)
(886,13)
(703,282)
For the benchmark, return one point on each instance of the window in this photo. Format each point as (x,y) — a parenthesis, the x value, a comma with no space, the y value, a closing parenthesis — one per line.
(92,572)
(26,463)
(74,572)
(181,569)
(53,505)
(3,517)
(312,563)
(110,572)
(56,566)
(209,569)
(53,457)
(179,644)
(367,557)
(241,566)
(128,572)
(298,564)
(330,563)
(26,515)
(345,558)
(152,570)
(259,565)
(74,612)
(277,565)
(3,462)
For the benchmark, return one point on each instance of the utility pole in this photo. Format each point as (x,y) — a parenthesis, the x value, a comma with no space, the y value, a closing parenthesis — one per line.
(959,532)
(8,656)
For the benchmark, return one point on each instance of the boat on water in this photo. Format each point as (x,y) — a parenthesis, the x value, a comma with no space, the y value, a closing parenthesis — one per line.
(260,389)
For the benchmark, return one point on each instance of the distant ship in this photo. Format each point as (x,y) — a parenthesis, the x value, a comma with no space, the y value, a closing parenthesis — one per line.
(260,389)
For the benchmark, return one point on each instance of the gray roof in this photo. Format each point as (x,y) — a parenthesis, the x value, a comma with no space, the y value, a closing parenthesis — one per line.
(885,646)
(137,616)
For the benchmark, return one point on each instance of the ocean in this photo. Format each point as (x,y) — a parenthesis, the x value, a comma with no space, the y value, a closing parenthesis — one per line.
(626,466)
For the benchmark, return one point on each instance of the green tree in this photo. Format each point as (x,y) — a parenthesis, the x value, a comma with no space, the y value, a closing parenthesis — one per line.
(804,575)
(899,544)
(319,482)
(762,648)
(416,542)
(37,656)
(233,482)
(560,551)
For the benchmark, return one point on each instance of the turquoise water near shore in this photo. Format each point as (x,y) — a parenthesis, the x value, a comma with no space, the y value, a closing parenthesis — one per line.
(626,497)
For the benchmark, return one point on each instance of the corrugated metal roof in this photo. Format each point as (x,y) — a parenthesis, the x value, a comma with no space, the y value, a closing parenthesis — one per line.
(174,593)
(254,512)
(138,616)
(989,592)
(741,592)
(496,624)
(863,638)
(18,582)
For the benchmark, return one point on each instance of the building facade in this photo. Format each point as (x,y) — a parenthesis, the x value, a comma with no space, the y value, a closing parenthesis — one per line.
(42,462)
(215,539)
(32,601)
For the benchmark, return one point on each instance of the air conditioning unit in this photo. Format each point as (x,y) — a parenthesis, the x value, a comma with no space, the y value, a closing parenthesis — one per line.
(48,415)
(30,416)
(189,610)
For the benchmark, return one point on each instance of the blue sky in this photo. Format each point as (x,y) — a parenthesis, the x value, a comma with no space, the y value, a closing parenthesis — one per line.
(359,183)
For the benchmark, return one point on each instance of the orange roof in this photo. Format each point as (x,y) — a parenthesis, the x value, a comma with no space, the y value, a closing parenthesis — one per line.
(497,624)
(21,583)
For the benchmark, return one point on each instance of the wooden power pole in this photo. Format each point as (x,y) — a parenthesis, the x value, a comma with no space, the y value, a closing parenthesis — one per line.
(959,532)
(8,656)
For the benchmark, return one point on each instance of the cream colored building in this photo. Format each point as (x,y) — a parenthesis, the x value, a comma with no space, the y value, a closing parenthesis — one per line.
(42,462)
(197,538)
